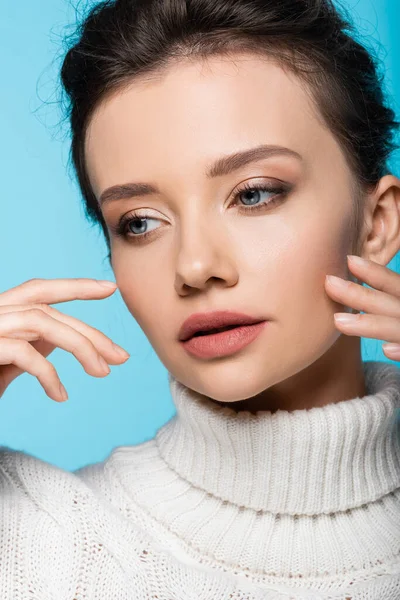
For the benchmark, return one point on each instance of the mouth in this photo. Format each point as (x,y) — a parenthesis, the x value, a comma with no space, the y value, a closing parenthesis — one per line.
(211,331)
(219,342)
(213,322)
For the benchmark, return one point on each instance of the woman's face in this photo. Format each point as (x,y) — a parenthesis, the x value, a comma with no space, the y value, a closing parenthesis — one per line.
(203,251)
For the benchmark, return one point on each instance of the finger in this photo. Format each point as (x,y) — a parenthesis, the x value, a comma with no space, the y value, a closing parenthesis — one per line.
(53,291)
(361,298)
(110,351)
(377,276)
(38,325)
(25,357)
(371,326)
(10,372)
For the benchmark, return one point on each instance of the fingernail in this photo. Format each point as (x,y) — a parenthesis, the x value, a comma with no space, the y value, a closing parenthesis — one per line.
(63,392)
(391,347)
(357,260)
(123,353)
(345,318)
(103,364)
(108,284)
(337,281)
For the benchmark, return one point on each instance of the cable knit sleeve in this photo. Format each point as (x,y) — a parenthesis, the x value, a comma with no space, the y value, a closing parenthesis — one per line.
(42,537)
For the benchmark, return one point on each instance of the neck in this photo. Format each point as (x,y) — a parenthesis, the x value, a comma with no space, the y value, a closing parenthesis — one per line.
(303,462)
(336,376)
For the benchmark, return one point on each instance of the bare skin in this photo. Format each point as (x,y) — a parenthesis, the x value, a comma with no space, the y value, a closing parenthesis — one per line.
(204,254)
(30,330)
(271,264)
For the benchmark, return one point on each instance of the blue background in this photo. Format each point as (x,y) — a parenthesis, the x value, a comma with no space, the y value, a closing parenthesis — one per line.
(44,234)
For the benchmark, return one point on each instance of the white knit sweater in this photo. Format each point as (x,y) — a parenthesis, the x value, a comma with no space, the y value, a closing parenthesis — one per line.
(219,505)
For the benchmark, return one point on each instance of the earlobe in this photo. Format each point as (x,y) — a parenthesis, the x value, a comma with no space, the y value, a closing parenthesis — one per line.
(383,240)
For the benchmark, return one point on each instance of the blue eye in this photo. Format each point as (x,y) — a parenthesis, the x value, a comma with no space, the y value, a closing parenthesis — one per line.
(139,223)
(252,193)
(255,190)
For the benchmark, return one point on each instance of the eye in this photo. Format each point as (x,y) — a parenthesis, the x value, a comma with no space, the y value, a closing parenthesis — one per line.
(251,193)
(134,226)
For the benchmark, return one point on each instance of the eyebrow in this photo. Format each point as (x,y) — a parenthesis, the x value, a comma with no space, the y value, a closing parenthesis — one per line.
(222,166)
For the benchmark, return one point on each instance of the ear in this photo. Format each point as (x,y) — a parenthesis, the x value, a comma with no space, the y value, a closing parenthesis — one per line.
(382,221)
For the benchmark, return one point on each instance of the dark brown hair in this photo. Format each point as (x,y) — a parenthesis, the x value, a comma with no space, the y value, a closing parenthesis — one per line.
(123,40)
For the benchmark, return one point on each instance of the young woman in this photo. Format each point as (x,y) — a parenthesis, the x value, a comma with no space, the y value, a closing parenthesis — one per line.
(234,154)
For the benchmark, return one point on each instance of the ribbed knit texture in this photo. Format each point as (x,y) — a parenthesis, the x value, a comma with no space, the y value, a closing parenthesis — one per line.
(218,506)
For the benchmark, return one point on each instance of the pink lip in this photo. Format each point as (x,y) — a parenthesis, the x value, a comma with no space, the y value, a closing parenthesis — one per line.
(223,343)
(214,320)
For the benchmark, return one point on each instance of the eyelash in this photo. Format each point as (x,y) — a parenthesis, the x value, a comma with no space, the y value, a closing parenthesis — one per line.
(120,230)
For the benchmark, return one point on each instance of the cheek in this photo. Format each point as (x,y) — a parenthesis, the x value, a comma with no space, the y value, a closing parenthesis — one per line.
(143,286)
(306,253)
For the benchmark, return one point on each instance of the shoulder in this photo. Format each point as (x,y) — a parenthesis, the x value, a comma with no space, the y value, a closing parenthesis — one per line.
(56,525)
(25,476)
(40,525)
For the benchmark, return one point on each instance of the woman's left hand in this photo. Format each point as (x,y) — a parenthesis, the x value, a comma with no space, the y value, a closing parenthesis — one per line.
(381,305)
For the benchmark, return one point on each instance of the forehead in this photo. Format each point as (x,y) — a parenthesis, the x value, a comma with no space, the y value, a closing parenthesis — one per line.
(196,110)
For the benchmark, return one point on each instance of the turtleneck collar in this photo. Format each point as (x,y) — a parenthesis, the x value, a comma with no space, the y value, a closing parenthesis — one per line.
(311,461)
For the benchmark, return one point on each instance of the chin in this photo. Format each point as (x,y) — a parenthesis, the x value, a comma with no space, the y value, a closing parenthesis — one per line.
(228,385)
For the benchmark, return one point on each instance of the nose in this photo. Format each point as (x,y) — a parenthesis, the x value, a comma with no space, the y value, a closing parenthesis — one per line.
(204,256)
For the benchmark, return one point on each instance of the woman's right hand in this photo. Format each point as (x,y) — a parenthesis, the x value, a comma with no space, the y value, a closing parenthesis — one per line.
(30,330)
